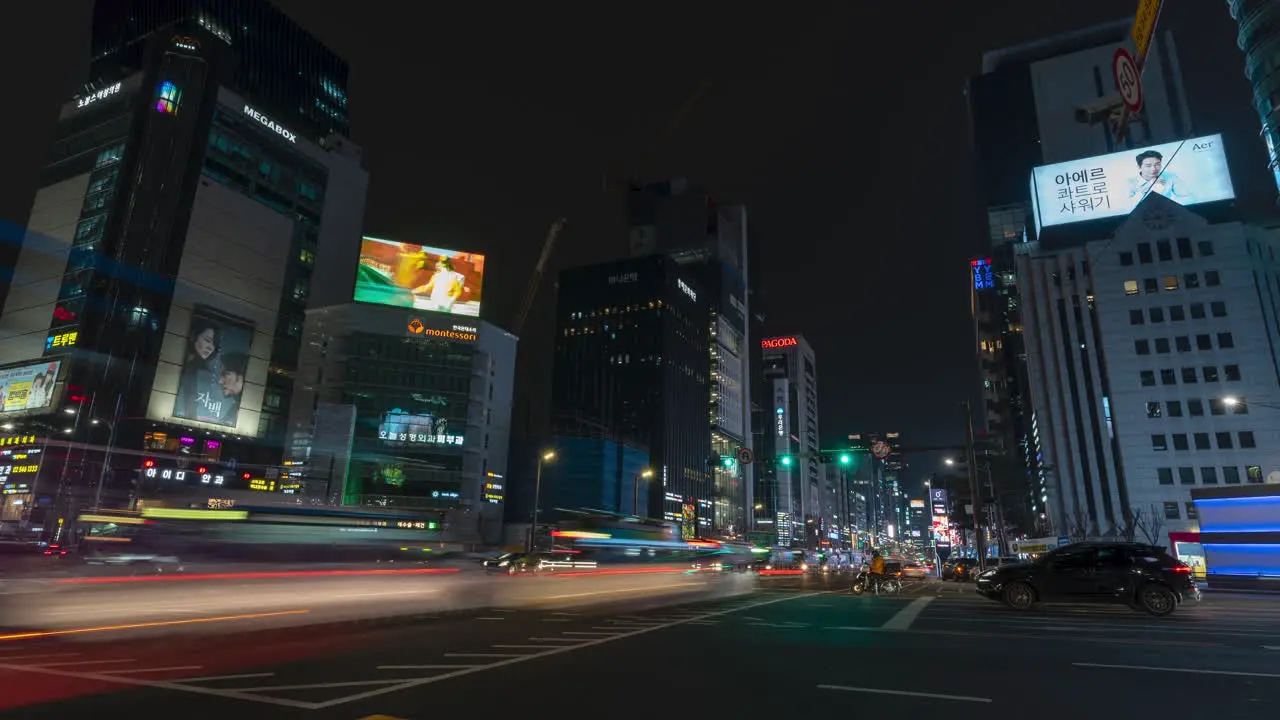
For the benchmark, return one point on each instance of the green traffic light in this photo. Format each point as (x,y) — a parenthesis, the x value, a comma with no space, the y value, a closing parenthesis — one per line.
(786,459)
(845,458)
(728,462)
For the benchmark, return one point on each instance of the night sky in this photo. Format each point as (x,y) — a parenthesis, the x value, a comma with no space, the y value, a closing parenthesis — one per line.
(842,126)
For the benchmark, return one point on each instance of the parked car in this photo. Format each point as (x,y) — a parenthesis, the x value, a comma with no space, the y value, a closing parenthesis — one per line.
(960,570)
(915,571)
(1144,577)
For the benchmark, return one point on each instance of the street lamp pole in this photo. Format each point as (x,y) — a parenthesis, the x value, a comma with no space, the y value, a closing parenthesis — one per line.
(635,486)
(547,456)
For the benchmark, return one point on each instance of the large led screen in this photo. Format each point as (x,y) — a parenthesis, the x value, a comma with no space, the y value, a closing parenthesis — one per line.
(214,365)
(419,277)
(28,387)
(1188,172)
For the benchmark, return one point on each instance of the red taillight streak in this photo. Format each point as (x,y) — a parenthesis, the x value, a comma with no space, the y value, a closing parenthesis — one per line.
(781,572)
(256,575)
(1182,569)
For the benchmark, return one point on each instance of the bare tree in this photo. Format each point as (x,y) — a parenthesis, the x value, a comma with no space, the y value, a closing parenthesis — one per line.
(1077,525)
(1151,523)
(1132,522)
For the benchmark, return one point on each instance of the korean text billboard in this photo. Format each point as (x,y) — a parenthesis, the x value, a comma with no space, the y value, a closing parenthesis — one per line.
(28,387)
(1188,172)
(214,365)
(419,277)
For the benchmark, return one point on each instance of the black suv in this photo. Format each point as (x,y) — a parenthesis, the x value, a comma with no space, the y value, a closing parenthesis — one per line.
(1143,577)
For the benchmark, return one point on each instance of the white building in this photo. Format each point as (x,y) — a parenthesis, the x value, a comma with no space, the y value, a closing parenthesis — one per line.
(1153,364)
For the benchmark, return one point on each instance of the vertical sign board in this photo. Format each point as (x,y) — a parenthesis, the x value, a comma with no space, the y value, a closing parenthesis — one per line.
(1144,27)
(1127,69)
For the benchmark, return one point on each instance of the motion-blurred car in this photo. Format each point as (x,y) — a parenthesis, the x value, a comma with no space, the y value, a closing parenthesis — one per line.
(502,562)
(1144,577)
(915,571)
(555,561)
(960,570)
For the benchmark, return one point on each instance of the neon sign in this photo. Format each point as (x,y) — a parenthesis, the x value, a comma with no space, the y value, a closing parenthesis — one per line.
(982,276)
(92,98)
(270,124)
(782,342)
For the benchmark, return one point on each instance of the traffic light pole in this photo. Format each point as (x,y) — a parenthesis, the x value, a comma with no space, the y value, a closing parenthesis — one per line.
(971,461)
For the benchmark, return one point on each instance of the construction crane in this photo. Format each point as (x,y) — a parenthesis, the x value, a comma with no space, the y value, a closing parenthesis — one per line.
(536,280)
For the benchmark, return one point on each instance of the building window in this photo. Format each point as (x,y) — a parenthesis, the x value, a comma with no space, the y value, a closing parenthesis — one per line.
(1164,251)
(1195,408)
(1191,281)
(1204,342)
(1253,473)
(1209,475)
(1184,248)
(1162,346)
(1180,442)
(1159,442)
(1126,258)
(1168,377)
(1239,406)
(1142,347)
(1156,314)
(1218,309)
(1173,408)
(1231,475)
(1165,475)
(1170,283)
(1217,407)
(1206,248)
(1187,475)
(1148,378)
(1183,343)
(1246,439)
(1189,375)
(1224,440)
(1171,511)
(1136,317)
(1232,372)
(1202,441)
(1130,287)
(1197,311)
(1210,373)
(167,98)
(1212,279)
(1153,410)
(1177,313)
(1144,253)
(1226,340)
(1191,510)
(1150,285)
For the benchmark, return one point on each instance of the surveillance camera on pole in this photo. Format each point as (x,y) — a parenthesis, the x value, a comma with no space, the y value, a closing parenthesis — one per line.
(1107,109)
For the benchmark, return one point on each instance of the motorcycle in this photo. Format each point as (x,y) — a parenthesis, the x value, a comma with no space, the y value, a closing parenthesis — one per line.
(889,584)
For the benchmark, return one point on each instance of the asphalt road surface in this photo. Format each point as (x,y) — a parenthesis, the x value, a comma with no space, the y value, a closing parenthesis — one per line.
(796,645)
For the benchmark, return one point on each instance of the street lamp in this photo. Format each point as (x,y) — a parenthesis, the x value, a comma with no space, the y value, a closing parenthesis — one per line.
(546,457)
(635,486)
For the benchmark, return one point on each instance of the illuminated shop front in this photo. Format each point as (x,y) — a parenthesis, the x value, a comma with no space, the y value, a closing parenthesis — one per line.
(1240,534)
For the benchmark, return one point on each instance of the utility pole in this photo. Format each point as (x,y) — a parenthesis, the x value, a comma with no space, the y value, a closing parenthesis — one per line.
(971,458)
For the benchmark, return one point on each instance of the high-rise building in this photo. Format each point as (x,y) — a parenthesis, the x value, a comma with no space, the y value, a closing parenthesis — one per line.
(1152,355)
(421,402)
(631,372)
(1259,22)
(194,205)
(789,492)
(1034,104)
(887,506)
(709,239)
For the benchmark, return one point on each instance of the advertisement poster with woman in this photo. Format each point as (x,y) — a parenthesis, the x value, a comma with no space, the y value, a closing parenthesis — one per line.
(419,277)
(215,361)
(29,387)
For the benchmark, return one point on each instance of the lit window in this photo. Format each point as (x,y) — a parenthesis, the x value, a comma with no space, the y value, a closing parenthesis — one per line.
(168,98)
(1170,282)
(1130,287)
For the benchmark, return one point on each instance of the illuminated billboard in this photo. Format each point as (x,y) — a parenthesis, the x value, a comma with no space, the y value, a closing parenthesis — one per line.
(211,382)
(780,342)
(415,276)
(28,387)
(1188,172)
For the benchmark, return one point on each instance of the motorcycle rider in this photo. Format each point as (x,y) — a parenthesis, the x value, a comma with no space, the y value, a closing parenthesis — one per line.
(876,571)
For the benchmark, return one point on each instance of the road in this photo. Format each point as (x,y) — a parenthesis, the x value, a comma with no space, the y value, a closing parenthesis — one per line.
(793,645)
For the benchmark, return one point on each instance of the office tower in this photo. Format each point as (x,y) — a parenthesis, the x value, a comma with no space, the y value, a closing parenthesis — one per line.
(631,374)
(790,493)
(193,206)
(1259,22)
(887,506)
(710,240)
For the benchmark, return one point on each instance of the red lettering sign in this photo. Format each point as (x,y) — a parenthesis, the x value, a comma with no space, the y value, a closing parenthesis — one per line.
(781,342)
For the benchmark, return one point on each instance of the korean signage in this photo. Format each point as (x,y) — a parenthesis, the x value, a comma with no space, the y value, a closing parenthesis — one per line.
(399,426)
(1035,546)
(270,124)
(203,476)
(1188,172)
(262,485)
(12,440)
(626,278)
(684,288)
(493,491)
(28,387)
(18,469)
(1144,27)
(782,342)
(982,276)
(59,341)
(94,97)
(461,333)
(917,504)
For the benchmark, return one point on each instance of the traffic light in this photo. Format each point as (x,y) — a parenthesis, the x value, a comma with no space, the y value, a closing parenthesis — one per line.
(785,460)
(845,458)
(727,460)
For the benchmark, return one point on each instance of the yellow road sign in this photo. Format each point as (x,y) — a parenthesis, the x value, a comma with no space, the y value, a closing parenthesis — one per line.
(1144,27)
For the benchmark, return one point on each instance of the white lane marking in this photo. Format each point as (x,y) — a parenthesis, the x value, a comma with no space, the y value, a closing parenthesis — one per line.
(147,670)
(565,613)
(524,658)
(556,639)
(9,658)
(215,678)
(163,684)
(855,627)
(426,667)
(703,622)
(1271,647)
(484,655)
(557,619)
(906,693)
(907,615)
(591,633)
(1195,671)
(619,626)
(682,586)
(524,647)
(318,686)
(749,617)
(491,618)
(81,662)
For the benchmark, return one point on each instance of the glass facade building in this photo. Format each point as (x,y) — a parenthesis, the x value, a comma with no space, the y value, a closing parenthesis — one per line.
(1259,38)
